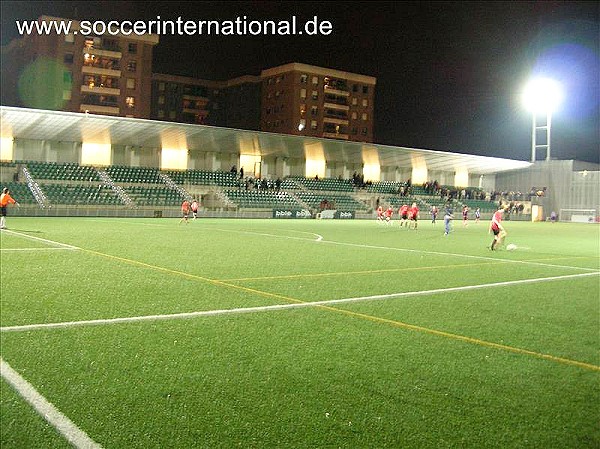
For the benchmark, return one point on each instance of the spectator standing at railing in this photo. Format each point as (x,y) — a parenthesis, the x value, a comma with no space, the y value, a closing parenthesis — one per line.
(5,200)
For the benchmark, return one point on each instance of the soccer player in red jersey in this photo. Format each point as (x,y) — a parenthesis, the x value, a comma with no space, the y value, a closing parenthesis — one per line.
(413,214)
(465,215)
(388,215)
(403,211)
(497,228)
(185,211)
(380,213)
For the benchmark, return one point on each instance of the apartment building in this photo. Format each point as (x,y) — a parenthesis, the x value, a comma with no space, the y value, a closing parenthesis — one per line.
(314,101)
(104,74)
(233,103)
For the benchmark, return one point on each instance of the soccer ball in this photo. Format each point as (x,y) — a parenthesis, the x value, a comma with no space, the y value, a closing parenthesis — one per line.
(511,247)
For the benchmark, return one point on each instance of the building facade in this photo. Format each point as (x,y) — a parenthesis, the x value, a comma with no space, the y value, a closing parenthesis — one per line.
(105,74)
(232,104)
(314,101)
(112,75)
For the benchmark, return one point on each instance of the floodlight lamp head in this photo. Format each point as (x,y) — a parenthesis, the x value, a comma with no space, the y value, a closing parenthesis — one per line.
(542,95)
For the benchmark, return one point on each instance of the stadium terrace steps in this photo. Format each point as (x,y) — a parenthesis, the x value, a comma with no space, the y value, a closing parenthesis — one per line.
(325,184)
(262,199)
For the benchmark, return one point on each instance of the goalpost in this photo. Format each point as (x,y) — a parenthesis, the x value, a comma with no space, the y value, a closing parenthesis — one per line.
(578,215)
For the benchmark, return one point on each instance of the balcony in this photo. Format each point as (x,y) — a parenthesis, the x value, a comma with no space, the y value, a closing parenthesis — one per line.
(195,97)
(336,121)
(196,111)
(334,91)
(336,136)
(100,90)
(340,107)
(97,70)
(97,52)
(94,108)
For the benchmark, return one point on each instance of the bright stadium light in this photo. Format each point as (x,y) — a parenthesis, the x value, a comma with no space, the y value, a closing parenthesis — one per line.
(541,96)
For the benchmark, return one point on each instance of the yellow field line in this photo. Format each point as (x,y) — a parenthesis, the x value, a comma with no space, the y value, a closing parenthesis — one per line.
(371,318)
(346,273)
(466,339)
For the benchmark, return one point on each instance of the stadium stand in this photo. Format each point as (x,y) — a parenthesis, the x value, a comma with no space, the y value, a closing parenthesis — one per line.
(203,177)
(262,199)
(144,187)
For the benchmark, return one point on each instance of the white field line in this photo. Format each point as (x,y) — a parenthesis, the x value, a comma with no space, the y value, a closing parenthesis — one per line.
(67,324)
(73,434)
(37,249)
(39,239)
(264,234)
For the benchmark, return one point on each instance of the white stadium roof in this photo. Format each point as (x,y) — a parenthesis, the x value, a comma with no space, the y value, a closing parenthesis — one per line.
(21,123)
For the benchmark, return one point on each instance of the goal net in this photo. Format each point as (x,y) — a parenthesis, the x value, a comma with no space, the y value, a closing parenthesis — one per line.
(578,215)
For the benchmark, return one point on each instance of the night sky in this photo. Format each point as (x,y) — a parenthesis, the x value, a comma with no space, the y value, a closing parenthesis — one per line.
(449,74)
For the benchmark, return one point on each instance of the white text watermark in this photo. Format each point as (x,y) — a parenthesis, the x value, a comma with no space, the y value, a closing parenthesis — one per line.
(240,26)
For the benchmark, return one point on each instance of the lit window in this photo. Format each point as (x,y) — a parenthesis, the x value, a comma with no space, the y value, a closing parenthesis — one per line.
(364,116)
(315,80)
(303,79)
(313,124)
(302,109)
(130,83)
(130,102)
(354,116)
(302,93)
(131,66)
(302,125)
(354,101)
(315,95)
(365,102)
(70,38)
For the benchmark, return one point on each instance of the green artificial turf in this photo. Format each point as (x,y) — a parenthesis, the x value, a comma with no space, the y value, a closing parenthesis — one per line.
(509,365)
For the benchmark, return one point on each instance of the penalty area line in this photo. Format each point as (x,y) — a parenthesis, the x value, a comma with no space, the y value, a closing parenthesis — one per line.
(39,239)
(73,434)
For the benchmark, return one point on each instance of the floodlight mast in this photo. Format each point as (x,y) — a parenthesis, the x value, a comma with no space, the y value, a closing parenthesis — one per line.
(534,130)
(541,96)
